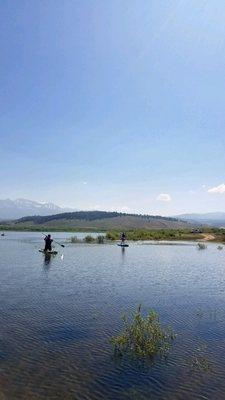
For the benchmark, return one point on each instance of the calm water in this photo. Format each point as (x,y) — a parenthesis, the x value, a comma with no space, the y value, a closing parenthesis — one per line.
(58,315)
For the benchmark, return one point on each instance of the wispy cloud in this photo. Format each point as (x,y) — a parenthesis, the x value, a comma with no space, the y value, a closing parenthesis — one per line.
(217,189)
(165,197)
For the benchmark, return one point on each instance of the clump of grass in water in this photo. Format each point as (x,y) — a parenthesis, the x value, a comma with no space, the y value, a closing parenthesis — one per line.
(100,239)
(202,246)
(199,361)
(89,239)
(143,337)
(74,239)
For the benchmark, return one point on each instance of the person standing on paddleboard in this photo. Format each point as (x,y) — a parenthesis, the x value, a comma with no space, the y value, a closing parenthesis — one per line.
(123,238)
(48,243)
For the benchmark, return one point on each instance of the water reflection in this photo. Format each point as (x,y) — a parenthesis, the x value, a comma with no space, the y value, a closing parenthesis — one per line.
(123,253)
(47,261)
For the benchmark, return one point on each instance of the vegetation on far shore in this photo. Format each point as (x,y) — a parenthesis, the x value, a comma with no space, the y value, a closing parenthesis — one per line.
(100,239)
(131,234)
(137,235)
(168,234)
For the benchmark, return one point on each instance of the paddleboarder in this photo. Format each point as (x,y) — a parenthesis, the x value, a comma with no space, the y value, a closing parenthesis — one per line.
(48,243)
(123,238)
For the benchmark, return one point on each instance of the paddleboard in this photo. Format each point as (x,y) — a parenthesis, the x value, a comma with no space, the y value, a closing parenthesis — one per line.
(122,245)
(48,252)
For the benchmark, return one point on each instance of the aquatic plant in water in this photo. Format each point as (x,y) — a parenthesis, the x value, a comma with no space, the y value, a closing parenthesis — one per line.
(100,239)
(143,337)
(199,360)
(89,239)
(74,239)
(201,246)
(200,363)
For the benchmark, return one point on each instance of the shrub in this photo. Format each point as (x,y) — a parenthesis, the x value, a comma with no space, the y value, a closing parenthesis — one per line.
(89,239)
(143,337)
(74,239)
(112,235)
(201,246)
(100,239)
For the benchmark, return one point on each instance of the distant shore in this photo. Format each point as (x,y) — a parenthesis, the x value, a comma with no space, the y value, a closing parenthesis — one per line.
(206,234)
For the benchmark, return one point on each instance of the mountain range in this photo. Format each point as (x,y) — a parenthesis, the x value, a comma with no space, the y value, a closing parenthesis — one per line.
(25,214)
(19,208)
(213,218)
(13,209)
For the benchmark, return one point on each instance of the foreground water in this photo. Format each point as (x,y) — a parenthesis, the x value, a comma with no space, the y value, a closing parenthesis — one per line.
(57,316)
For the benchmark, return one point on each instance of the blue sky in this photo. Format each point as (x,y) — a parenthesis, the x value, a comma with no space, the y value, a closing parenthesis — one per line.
(115,105)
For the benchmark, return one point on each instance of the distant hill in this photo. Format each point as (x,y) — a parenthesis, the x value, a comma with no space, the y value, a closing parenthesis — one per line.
(98,220)
(13,209)
(214,218)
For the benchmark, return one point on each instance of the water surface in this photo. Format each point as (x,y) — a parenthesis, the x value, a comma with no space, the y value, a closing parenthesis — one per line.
(57,316)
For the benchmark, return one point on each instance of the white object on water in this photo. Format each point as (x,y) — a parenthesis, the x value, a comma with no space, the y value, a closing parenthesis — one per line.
(62,257)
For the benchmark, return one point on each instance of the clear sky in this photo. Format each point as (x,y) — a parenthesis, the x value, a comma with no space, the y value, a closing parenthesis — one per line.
(114,105)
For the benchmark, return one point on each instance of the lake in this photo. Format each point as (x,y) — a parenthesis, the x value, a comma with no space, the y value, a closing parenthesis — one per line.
(58,315)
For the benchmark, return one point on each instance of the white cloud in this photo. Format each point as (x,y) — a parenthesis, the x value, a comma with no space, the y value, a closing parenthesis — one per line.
(164,197)
(217,189)
(84,183)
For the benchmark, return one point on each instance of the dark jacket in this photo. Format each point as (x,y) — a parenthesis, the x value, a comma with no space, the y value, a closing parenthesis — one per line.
(48,243)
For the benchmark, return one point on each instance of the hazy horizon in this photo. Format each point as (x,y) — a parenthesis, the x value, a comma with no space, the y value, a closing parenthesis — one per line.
(66,208)
(114,106)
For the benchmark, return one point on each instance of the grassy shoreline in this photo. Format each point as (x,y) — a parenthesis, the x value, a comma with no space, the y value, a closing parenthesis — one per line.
(214,234)
(207,234)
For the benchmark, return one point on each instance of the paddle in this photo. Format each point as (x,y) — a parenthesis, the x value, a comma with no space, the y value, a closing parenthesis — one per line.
(62,245)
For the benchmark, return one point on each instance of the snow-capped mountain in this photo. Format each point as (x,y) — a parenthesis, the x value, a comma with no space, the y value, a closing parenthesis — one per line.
(211,218)
(12,209)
